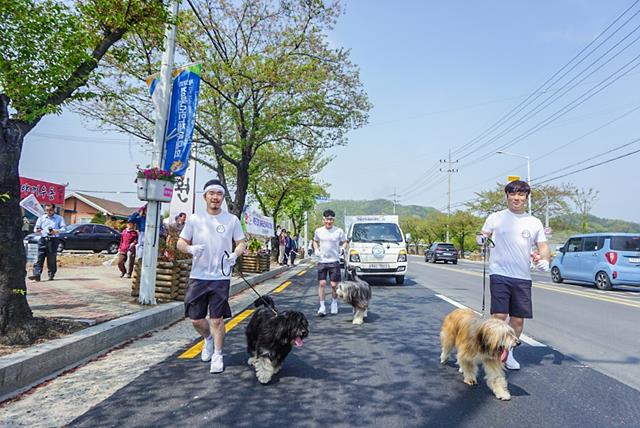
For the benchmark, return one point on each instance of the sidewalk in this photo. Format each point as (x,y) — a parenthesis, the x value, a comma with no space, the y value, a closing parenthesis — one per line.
(98,297)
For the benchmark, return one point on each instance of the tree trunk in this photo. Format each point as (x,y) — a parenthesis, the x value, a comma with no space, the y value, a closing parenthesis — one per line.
(14,309)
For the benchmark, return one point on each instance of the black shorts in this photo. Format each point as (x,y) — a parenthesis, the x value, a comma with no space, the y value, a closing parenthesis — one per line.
(333,269)
(511,296)
(205,294)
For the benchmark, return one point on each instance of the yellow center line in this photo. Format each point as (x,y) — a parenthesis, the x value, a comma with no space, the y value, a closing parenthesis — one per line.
(302,272)
(609,299)
(282,287)
(558,289)
(197,348)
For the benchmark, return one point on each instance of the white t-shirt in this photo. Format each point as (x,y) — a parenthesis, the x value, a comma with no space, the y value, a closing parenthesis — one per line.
(514,236)
(215,232)
(330,241)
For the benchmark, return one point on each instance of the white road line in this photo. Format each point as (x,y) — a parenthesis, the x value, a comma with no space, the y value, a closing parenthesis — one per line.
(523,337)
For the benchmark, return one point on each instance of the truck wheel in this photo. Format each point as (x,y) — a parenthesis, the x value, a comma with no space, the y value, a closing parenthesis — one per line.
(400,279)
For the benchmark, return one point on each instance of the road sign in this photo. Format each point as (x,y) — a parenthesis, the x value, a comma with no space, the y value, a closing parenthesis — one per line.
(321,199)
(511,178)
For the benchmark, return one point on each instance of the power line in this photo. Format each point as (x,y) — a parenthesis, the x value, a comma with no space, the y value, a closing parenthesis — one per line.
(589,167)
(541,89)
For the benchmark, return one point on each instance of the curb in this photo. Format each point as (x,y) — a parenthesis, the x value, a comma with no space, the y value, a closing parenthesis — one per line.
(24,369)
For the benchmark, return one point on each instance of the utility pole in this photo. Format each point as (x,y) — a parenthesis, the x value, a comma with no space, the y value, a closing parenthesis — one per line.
(395,200)
(152,229)
(449,170)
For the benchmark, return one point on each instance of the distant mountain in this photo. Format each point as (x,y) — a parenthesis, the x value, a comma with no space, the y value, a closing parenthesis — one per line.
(377,206)
(563,226)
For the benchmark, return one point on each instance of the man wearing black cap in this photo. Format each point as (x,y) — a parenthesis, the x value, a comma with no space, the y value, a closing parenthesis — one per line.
(209,238)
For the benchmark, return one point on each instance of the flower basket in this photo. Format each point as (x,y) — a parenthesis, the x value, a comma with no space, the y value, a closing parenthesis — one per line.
(154,190)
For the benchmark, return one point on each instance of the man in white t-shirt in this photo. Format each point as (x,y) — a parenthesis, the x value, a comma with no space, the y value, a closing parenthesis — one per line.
(327,241)
(209,237)
(514,233)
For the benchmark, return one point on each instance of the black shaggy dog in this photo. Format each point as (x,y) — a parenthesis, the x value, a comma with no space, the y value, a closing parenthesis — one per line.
(270,337)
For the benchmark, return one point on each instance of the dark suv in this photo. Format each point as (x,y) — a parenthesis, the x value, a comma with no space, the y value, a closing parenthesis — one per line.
(441,251)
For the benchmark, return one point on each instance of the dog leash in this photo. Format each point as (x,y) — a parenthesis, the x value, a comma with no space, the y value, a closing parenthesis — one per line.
(488,244)
(266,303)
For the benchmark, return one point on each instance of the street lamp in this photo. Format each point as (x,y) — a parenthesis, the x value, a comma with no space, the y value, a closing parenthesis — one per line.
(528,170)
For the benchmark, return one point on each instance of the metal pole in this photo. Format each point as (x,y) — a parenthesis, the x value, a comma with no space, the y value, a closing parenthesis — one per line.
(151,235)
(449,194)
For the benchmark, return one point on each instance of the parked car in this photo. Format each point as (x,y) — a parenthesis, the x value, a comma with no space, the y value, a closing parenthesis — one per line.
(88,236)
(603,259)
(441,251)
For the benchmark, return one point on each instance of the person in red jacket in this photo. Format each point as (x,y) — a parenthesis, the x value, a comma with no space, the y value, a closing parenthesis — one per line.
(128,242)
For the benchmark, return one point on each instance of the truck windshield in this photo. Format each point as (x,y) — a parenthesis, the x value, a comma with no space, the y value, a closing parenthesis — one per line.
(376,232)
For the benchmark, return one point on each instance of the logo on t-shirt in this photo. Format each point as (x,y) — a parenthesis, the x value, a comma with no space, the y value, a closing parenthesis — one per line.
(526,234)
(220,228)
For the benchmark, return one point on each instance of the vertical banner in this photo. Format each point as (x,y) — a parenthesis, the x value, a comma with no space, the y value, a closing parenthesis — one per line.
(182,116)
(183,194)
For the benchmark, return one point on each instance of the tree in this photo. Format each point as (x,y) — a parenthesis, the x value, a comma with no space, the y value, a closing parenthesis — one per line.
(282,181)
(48,53)
(271,82)
(464,225)
(490,201)
(584,200)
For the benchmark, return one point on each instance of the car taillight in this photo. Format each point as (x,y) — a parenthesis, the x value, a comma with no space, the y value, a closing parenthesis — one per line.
(611,256)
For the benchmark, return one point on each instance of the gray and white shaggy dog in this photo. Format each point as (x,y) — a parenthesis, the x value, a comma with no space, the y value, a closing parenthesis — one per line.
(356,293)
(271,336)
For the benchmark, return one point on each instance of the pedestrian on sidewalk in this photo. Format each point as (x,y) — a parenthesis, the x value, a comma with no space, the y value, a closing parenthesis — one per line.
(514,233)
(26,226)
(48,226)
(139,218)
(209,238)
(327,241)
(282,244)
(292,248)
(127,249)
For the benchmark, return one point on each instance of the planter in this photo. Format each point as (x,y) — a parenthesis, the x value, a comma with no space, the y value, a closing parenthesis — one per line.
(254,263)
(154,190)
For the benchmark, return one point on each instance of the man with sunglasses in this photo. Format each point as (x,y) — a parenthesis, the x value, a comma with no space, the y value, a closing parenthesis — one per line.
(514,233)
(48,226)
(327,241)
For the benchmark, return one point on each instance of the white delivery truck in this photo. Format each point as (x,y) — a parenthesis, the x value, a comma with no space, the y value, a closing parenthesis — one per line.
(376,247)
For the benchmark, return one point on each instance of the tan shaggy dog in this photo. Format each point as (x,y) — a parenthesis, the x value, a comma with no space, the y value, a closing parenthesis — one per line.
(478,341)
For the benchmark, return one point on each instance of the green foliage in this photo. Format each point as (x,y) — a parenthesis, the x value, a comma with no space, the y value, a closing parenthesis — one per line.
(280,87)
(50,49)
(254,245)
(99,218)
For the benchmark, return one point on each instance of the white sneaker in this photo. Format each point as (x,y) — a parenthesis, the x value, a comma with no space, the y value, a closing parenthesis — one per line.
(207,350)
(334,306)
(217,365)
(322,311)
(511,362)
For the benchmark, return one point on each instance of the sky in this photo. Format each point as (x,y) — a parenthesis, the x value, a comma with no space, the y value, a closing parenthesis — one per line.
(439,75)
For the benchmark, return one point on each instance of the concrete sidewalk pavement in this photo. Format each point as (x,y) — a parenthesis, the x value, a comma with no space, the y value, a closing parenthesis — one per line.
(99,297)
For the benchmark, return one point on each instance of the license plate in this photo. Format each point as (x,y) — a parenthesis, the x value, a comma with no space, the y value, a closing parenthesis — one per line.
(634,260)
(446,254)
(378,266)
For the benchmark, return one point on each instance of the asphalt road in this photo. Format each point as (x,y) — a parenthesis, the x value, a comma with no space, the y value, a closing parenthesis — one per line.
(384,373)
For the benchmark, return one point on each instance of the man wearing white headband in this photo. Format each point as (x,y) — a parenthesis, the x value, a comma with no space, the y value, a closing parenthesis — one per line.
(209,238)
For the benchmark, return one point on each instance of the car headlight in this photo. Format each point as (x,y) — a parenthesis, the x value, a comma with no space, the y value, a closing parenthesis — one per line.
(354,256)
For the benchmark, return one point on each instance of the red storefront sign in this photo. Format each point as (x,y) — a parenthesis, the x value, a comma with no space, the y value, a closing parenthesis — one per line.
(42,190)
